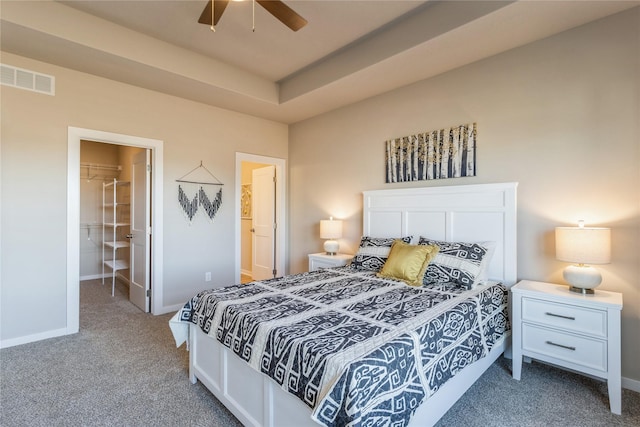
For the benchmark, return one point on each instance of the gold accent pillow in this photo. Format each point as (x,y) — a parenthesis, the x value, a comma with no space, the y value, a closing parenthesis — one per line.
(408,262)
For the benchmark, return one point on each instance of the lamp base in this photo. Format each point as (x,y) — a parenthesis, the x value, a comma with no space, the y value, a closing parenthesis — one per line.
(582,278)
(331,247)
(583,291)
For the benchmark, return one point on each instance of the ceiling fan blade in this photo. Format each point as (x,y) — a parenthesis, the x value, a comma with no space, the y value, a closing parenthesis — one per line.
(219,7)
(283,13)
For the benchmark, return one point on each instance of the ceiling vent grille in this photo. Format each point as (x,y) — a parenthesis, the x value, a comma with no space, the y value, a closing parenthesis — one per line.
(28,80)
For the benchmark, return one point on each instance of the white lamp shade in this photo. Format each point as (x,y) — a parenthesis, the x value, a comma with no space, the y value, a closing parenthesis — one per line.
(330,229)
(583,245)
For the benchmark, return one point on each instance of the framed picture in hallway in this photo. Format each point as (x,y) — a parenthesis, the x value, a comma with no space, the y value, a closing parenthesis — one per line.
(245,201)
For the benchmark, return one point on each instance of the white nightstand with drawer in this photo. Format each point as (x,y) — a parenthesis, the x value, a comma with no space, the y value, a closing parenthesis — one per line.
(322,260)
(575,331)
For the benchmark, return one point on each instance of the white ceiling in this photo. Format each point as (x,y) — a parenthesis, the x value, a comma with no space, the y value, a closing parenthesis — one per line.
(350,50)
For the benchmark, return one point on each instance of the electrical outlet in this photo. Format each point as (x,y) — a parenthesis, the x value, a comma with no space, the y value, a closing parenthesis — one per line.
(207,276)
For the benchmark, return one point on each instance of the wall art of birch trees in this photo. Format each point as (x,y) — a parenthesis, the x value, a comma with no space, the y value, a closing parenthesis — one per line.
(444,153)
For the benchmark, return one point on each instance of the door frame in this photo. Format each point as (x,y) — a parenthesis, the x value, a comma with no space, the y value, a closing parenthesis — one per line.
(74,136)
(281,212)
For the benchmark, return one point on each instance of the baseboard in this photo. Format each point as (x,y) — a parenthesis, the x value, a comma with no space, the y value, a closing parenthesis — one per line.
(32,338)
(168,309)
(246,272)
(123,278)
(119,276)
(93,277)
(630,384)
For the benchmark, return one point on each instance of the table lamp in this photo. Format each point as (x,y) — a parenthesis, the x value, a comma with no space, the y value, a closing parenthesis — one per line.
(583,245)
(331,229)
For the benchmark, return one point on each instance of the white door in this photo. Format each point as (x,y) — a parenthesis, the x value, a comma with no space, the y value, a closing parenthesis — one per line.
(140,249)
(263,223)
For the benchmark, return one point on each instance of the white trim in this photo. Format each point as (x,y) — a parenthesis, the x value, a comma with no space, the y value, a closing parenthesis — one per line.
(73,232)
(281,186)
(11,342)
(75,135)
(631,384)
(171,308)
(123,278)
(93,277)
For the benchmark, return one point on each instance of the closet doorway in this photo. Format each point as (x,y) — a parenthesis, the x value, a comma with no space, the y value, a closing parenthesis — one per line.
(260,217)
(115,217)
(155,232)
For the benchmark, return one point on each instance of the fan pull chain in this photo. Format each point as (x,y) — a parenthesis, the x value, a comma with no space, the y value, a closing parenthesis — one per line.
(253,11)
(213,28)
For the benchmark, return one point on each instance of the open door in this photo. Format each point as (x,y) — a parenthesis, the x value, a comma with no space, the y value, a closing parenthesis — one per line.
(140,236)
(263,225)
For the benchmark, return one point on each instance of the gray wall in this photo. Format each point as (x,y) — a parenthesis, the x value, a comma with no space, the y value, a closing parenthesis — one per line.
(559,116)
(34,186)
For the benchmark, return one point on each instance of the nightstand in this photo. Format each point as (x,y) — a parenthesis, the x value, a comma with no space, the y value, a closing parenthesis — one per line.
(322,260)
(571,330)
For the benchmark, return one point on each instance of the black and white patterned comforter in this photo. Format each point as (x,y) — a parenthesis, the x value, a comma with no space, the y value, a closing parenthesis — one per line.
(357,349)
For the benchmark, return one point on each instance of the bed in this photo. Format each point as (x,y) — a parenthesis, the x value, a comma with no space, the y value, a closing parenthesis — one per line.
(395,358)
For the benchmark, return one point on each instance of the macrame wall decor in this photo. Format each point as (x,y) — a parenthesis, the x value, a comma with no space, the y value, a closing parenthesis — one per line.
(191,205)
(444,153)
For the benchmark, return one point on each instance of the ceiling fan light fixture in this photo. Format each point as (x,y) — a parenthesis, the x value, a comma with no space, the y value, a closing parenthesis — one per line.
(277,8)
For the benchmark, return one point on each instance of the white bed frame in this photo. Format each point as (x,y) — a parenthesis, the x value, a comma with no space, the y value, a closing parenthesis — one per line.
(470,213)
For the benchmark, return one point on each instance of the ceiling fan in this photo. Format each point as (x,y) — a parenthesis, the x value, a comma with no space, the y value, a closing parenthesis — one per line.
(281,11)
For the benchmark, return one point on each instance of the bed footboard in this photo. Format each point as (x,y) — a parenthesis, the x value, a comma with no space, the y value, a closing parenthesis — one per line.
(251,396)
(258,401)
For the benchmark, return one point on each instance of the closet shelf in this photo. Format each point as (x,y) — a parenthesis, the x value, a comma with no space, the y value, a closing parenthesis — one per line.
(90,224)
(117,183)
(116,265)
(115,168)
(91,171)
(117,245)
(116,224)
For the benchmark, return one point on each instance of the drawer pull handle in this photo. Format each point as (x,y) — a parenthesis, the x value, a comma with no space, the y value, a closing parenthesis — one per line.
(560,315)
(560,345)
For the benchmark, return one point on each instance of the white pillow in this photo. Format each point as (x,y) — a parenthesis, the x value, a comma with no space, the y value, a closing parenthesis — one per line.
(483,277)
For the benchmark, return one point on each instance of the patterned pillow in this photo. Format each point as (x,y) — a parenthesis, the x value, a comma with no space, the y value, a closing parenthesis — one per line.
(373,252)
(463,263)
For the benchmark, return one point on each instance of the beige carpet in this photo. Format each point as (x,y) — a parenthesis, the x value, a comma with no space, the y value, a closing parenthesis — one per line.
(123,369)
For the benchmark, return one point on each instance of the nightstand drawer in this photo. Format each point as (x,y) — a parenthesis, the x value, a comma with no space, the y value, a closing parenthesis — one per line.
(321,263)
(565,316)
(590,353)
(322,260)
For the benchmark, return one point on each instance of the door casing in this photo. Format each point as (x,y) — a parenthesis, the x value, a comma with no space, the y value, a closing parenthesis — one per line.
(281,213)
(74,136)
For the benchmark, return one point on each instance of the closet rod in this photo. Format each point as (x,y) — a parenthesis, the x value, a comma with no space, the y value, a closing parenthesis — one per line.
(100,166)
(90,225)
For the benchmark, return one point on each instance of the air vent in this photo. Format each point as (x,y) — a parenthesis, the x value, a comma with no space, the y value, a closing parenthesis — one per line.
(28,80)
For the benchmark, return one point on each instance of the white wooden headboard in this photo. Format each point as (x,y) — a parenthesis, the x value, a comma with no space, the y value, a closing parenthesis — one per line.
(462,213)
